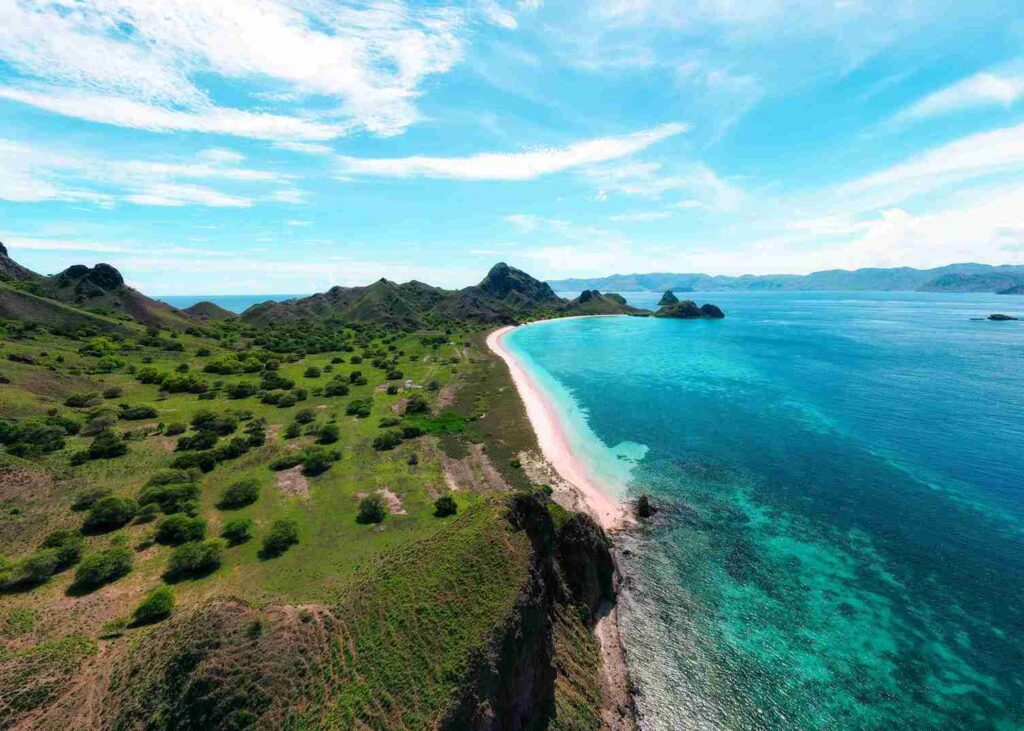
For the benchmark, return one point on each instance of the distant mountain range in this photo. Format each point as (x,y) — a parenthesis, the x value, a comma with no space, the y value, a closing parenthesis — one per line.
(951,278)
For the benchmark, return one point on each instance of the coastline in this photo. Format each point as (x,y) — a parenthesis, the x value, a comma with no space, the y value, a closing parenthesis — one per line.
(610,513)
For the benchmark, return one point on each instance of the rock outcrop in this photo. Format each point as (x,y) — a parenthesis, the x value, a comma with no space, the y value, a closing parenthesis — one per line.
(669,298)
(688,310)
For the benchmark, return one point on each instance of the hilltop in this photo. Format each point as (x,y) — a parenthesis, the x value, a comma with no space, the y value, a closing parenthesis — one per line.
(505,296)
(966,277)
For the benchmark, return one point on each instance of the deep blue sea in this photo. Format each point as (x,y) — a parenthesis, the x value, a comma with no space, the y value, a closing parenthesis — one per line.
(233,302)
(841,477)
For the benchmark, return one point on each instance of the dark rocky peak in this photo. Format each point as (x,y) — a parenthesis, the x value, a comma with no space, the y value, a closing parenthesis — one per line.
(688,310)
(3,249)
(712,311)
(589,294)
(669,298)
(10,269)
(103,276)
(504,281)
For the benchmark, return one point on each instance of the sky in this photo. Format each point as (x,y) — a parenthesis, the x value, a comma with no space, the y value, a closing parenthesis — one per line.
(268,146)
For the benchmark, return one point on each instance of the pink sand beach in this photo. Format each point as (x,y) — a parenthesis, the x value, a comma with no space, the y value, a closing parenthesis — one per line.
(554,444)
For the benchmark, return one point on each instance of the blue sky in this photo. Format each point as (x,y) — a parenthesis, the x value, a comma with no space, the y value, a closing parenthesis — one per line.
(289,145)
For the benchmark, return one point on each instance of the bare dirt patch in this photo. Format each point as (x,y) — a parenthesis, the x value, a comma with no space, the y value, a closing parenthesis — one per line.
(399,406)
(293,482)
(473,472)
(164,444)
(446,396)
(540,472)
(392,500)
(272,430)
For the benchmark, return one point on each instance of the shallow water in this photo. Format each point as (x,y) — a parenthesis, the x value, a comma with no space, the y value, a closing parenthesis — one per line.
(842,476)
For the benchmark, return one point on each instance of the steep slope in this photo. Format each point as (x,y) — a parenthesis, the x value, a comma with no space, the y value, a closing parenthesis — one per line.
(669,298)
(994,281)
(17,304)
(592,302)
(11,270)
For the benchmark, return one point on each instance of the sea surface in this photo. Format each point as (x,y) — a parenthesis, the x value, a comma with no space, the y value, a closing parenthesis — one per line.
(234,302)
(841,480)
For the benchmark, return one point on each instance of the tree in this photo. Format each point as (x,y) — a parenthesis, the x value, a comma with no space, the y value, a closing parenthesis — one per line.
(155,607)
(305,416)
(106,445)
(194,559)
(237,530)
(371,510)
(180,528)
(387,440)
(103,567)
(239,494)
(328,434)
(312,372)
(445,506)
(284,533)
(109,513)
(416,404)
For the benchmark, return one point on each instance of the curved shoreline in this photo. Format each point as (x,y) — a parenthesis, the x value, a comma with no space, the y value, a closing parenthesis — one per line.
(610,513)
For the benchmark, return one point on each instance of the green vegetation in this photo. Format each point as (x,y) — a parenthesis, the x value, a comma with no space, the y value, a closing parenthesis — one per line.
(239,494)
(237,530)
(284,534)
(445,506)
(194,559)
(157,606)
(100,568)
(109,513)
(180,528)
(371,510)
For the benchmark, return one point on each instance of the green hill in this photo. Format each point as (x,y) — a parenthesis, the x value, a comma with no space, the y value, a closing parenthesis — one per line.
(208,311)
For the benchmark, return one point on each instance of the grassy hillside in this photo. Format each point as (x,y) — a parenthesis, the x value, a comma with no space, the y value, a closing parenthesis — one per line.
(136,463)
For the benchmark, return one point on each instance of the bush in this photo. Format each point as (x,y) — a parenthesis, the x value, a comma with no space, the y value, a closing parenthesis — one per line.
(371,510)
(305,416)
(293,430)
(155,607)
(242,493)
(317,461)
(198,558)
(445,506)
(387,440)
(183,383)
(112,392)
(389,421)
(284,533)
(31,571)
(99,423)
(411,431)
(210,421)
(82,400)
(174,429)
(33,438)
(395,375)
(180,528)
(85,500)
(336,388)
(204,461)
(196,442)
(416,404)
(312,372)
(241,390)
(238,530)
(109,513)
(287,400)
(101,568)
(328,434)
(137,413)
(359,407)
(287,461)
(234,449)
(106,445)
(69,546)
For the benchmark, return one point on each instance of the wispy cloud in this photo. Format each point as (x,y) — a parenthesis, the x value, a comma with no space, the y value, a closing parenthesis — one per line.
(987,89)
(702,187)
(136,63)
(512,165)
(641,216)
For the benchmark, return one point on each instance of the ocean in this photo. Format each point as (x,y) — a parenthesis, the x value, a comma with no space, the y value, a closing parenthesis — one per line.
(237,303)
(840,543)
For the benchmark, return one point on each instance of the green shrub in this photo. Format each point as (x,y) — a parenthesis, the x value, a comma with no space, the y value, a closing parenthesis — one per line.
(237,530)
(82,400)
(191,560)
(445,506)
(359,407)
(416,404)
(155,607)
(387,440)
(86,499)
(69,546)
(174,429)
(106,445)
(179,528)
(305,416)
(112,392)
(32,570)
(294,430)
(197,442)
(287,461)
(238,495)
(241,390)
(109,513)
(183,383)
(284,533)
(203,461)
(102,567)
(137,413)
(210,421)
(316,461)
(328,434)
(32,438)
(336,388)
(371,510)
(312,372)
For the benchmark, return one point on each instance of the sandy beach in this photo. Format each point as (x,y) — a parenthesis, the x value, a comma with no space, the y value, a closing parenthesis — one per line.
(609,512)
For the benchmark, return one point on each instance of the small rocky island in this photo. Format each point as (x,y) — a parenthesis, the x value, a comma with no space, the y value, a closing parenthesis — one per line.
(688,310)
(998,317)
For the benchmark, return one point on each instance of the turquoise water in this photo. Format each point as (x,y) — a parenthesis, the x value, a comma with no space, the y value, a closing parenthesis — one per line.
(841,544)
(233,302)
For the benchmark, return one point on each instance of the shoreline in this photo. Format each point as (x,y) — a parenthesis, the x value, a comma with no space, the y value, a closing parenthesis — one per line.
(610,513)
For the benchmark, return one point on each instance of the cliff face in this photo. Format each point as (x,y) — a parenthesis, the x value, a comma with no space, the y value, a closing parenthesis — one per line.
(513,684)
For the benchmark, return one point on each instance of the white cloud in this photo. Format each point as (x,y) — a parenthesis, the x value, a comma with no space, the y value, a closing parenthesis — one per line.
(513,165)
(650,179)
(31,174)
(641,216)
(981,90)
(137,63)
(494,13)
(308,148)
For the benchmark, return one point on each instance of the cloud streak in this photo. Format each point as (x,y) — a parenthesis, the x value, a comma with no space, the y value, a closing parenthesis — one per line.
(511,166)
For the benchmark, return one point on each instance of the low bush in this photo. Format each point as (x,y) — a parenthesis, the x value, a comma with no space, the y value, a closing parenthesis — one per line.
(109,513)
(180,528)
(69,546)
(328,434)
(155,607)
(237,530)
(238,495)
(196,442)
(195,559)
(103,567)
(174,429)
(371,510)
(445,506)
(387,440)
(284,533)
(137,413)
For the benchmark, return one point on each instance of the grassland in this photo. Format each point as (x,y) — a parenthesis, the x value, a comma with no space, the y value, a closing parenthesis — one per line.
(388,619)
